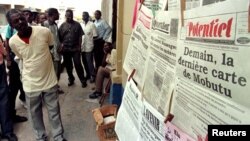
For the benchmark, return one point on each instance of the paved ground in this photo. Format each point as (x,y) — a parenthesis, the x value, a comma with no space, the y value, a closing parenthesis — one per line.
(76,114)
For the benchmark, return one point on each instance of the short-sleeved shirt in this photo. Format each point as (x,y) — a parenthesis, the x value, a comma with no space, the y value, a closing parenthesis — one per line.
(89,33)
(70,33)
(38,71)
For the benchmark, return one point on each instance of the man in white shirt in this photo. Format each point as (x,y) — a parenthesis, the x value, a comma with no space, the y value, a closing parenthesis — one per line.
(88,46)
(31,44)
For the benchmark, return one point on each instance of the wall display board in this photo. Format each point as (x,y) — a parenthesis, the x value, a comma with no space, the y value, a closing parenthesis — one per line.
(213,68)
(197,71)
(160,71)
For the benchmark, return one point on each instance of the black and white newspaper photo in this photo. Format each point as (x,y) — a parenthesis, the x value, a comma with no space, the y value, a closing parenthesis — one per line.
(160,80)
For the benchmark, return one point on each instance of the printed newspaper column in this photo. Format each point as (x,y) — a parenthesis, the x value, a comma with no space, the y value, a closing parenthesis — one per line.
(137,51)
(152,124)
(160,71)
(213,68)
(129,114)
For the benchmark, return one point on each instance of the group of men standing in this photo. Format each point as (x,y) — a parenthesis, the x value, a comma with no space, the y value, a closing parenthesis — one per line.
(40,50)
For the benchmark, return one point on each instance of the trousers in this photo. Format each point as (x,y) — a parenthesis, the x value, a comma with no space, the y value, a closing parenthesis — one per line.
(15,85)
(76,57)
(87,60)
(102,73)
(34,102)
(5,120)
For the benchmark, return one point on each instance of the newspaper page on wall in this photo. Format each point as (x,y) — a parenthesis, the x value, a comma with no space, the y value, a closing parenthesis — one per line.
(159,83)
(173,133)
(193,4)
(152,124)
(137,51)
(173,5)
(213,68)
(155,4)
(129,114)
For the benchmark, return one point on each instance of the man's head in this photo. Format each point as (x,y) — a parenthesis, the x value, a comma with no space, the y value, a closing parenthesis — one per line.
(98,14)
(17,20)
(85,16)
(7,15)
(107,47)
(28,15)
(69,15)
(53,14)
(42,17)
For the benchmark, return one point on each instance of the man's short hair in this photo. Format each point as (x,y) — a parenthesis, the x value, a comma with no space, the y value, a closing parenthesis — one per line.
(52,11)
(9,13)
(99,12)
(87,13)
(26,10)
(70,11)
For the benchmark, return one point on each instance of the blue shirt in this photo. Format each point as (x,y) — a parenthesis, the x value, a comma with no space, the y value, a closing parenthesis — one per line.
(103,29)
(10,32)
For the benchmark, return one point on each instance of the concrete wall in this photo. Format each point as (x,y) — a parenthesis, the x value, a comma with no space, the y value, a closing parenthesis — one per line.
(124,30)
(107,11)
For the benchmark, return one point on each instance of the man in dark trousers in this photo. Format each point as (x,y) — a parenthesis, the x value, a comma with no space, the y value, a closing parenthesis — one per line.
(70,35)
(15,83)
(5,120)
(103,34)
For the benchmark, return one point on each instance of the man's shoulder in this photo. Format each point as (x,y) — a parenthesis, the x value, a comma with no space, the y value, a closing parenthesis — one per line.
(62,25)
(46,23)
(82,24)
(91,23)
(13,40)
(76,23)
(101,20)
(40,30)
(37,27)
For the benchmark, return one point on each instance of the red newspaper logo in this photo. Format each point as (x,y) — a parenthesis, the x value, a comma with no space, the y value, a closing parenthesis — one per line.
(215,28)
